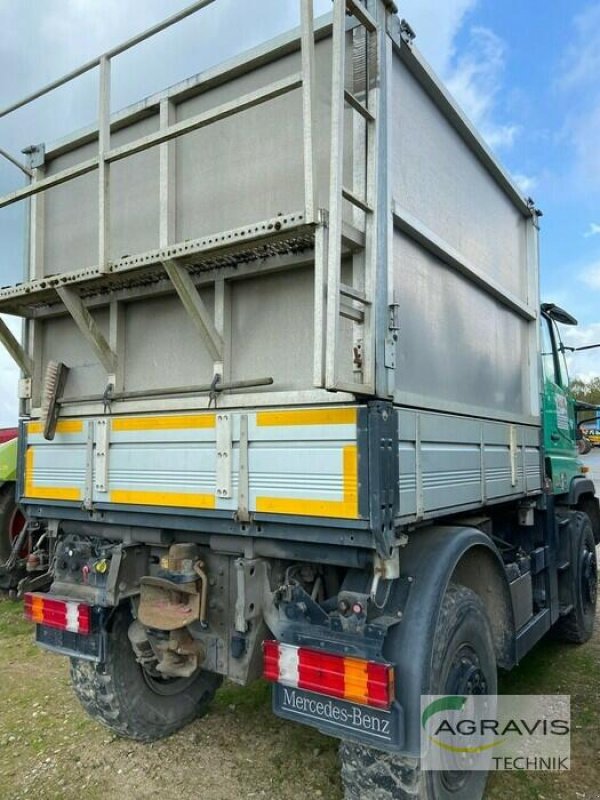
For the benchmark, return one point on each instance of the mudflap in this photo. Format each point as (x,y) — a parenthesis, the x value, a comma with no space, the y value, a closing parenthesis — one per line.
(90,647)
(373,727)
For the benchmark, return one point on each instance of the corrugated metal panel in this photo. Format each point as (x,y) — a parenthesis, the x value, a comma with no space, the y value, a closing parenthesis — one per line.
(300,461)
(448,462)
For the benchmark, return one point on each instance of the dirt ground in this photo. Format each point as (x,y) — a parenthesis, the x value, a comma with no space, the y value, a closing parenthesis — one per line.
(50,749)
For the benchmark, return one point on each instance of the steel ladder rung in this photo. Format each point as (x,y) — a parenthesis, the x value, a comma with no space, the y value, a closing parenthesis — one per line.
(362,15)
(354,294)
(354,314)
(356,104)
(356,201)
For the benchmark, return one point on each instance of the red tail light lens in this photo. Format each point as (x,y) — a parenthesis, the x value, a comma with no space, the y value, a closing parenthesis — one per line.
(353,679)
(66,615)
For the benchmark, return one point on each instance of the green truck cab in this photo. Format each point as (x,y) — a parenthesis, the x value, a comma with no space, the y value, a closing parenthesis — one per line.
(558,404)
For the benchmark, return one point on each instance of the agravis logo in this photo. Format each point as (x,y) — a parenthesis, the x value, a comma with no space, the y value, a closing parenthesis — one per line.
(439,708)
(481,732)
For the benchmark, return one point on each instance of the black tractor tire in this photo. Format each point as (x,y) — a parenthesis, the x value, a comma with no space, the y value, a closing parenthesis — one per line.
(8,511)
(582,591)
(463,632)
(584,446)
(120,695)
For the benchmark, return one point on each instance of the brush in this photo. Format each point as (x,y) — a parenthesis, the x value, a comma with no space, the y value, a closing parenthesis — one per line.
(54,384)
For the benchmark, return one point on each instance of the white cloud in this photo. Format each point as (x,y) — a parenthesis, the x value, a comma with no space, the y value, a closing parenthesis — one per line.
(590,275)
(581,62)
(586,364)
(579,70)
(585,136)
(526,183)
(436,25)
(593,230)
(475,80)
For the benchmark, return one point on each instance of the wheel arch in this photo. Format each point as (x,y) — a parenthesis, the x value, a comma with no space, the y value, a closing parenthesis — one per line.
(579,487)
(480,569)
(431,560)
(582,496)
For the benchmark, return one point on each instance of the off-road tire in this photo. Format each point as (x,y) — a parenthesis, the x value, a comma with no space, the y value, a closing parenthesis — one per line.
(578,625)
(8,507)
(369,774)
(118,694)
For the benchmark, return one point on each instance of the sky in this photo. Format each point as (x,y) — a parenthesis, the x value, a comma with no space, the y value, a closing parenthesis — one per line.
(527,74)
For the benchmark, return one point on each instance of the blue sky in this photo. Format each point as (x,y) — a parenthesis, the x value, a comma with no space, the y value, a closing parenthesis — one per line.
(528,75)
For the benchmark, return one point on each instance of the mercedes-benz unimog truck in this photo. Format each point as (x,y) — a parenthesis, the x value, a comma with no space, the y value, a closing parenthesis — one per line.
(290,404)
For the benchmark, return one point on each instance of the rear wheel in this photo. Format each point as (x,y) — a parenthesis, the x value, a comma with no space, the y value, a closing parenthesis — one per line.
(131,701)
(463,662)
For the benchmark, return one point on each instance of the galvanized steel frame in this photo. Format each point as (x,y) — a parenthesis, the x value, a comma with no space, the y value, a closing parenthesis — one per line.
(367,306)
(168,131)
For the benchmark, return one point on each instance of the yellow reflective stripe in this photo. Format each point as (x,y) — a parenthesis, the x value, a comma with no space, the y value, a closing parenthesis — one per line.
(351,478)
(309,416)
(46,492)
(62,426)
(181,499)
(356,677)
(181,422)
(346,508)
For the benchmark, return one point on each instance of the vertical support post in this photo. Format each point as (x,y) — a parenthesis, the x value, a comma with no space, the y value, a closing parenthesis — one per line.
(321,246)
(223,327)
(387,224)
(308,106)
(32,328)
(533,301)
(116,340)
(36,229)
(103,166)
(376,253)
(334,254)
(167,184)
(359,186)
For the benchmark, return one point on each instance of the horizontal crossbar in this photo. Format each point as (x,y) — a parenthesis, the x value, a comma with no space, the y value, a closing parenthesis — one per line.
(356,201)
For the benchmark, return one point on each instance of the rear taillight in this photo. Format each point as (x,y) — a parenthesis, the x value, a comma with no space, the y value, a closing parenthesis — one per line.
(66,615)
(356,680)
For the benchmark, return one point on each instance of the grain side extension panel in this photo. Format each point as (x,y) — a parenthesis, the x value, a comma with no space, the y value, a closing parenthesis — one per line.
(301,462)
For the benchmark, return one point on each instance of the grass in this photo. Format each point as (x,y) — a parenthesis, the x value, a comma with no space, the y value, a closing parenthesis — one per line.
(50,749)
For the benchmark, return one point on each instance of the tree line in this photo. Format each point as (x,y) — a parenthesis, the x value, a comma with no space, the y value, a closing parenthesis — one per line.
(586,391)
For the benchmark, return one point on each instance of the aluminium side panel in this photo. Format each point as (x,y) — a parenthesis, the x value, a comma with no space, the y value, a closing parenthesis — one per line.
(463,272)
(450,463)
(234,172)
(436,177)
(458,348)
(70,217)
(300,463)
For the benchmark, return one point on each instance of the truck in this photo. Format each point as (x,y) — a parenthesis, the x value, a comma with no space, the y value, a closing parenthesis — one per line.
(290,404)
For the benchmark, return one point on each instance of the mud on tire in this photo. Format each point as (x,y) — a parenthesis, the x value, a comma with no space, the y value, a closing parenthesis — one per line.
(120,695)
(462,633)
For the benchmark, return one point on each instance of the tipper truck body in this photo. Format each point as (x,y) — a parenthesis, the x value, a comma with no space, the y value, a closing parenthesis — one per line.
(289,400)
